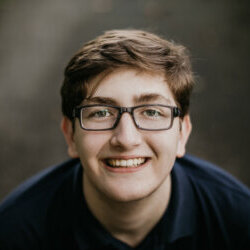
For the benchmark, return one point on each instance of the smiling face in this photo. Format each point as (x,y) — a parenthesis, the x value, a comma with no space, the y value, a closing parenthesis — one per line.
(126,163)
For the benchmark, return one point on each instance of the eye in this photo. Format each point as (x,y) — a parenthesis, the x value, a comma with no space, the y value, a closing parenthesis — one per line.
(100,113)
(152,113)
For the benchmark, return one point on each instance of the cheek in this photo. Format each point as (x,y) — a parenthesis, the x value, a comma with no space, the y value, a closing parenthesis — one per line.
(165,142)
(90,144)
(165,146)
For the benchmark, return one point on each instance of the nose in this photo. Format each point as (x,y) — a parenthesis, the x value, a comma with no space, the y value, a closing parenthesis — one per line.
(126,135)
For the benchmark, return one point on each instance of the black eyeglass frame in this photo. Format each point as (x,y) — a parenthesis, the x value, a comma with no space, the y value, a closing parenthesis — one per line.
(175,112)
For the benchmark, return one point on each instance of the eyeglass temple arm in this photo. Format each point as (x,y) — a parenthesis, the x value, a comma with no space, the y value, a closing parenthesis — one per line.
(176,112)
(76,113)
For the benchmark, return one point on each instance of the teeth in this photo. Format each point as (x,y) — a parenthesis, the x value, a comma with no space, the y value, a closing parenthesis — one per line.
(126,163)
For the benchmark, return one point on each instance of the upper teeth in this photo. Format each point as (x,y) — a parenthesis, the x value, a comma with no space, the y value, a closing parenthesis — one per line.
(126,163)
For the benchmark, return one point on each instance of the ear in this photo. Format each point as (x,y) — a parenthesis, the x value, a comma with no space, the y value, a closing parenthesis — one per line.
(185,130)
(67,129)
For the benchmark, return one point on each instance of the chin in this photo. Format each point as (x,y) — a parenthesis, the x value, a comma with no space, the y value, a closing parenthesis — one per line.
(129,194)
(126,198)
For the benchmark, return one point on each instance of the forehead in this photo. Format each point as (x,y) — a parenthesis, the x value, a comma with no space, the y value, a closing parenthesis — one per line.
(130,86)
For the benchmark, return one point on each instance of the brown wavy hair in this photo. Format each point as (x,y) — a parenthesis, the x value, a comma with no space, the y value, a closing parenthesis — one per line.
(122,49)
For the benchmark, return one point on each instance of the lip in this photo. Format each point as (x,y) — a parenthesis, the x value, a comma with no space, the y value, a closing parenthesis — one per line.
(125,169)
(126,157)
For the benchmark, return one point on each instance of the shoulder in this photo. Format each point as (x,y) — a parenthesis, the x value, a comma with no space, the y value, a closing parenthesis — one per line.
(210,177)
(24,212)
(223,202)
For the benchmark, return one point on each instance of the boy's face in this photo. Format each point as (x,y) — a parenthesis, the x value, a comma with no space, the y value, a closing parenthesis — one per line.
(159,149)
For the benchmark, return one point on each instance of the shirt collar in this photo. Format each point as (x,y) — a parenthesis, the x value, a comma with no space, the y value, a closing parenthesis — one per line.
(180,218)
(177,222)
(88,232)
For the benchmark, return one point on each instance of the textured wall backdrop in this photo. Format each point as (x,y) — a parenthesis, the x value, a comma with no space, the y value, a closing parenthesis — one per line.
(39,37)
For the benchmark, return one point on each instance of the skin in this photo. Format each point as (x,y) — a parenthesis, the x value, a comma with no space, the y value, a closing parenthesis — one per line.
(125,202)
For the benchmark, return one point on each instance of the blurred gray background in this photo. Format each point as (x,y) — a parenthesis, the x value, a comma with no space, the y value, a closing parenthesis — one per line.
(37,38)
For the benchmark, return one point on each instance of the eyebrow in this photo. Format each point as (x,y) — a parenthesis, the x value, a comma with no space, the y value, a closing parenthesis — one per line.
(144,98)
(151,97)
(101,100)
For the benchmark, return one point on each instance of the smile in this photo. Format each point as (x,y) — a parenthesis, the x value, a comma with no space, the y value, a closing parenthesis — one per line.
(128,163)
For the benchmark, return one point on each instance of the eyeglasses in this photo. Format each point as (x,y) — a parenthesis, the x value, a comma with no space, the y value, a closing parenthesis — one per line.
(151,117)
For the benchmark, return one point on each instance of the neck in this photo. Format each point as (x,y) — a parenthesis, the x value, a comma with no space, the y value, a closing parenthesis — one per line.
(130,221)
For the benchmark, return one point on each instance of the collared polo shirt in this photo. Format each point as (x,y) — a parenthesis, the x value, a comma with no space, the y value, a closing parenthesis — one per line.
(208,209)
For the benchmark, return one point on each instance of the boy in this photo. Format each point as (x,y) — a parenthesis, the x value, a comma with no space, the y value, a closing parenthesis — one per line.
(125,100)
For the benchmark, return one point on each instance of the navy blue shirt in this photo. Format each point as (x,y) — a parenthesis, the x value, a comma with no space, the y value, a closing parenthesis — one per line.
(208,210)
